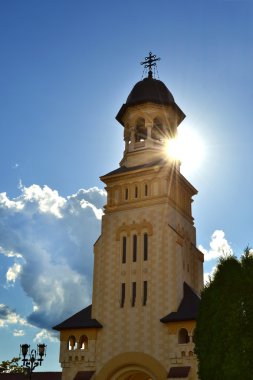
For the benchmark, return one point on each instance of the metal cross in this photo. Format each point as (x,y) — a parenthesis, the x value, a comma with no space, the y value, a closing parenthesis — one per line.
(149,62)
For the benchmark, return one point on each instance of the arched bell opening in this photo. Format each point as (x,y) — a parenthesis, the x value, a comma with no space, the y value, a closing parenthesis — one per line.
(71,344)
(158,131)
(140,130)
(83,342)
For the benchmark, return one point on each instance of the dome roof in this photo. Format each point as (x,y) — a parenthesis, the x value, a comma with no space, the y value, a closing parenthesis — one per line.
(150,90)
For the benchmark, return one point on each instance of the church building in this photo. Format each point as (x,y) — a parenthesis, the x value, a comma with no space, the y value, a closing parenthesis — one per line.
(148,272)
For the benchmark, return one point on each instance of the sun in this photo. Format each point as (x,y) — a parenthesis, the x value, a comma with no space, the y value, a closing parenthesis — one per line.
(188,148)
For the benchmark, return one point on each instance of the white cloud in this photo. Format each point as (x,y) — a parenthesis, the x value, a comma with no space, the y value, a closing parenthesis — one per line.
(5,202)
(9,316)
(17,332)
(98,212)
(9,253)
(54,235)
(219,247)
(48,200)
(45,335)
(13,272)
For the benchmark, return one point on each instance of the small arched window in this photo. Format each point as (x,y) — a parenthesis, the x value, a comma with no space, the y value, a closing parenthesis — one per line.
(183,336)
(83,342)
(71,343)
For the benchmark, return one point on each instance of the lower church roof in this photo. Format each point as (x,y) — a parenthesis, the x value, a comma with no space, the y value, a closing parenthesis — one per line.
(188,308)
(125,169)
(82,319)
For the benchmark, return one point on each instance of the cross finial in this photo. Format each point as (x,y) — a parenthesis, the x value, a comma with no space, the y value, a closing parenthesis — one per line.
(149,62)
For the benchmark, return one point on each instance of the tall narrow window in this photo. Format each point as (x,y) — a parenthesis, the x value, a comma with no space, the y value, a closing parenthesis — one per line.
(133,293)
(134,248)
(123,294)
(145,292)
(146,190)
(136,192)
(126,194)
(124,246)
(145,246)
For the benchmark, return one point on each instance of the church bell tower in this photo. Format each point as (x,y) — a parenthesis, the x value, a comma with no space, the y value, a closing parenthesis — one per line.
(148,273)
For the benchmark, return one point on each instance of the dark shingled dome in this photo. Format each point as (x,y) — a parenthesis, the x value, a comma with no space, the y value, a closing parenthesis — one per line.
(153,91)
(150,90)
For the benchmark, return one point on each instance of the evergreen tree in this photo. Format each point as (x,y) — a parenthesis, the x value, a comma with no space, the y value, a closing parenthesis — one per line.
(224,330)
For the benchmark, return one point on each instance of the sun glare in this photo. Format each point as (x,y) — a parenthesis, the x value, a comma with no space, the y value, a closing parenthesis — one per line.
(188,148)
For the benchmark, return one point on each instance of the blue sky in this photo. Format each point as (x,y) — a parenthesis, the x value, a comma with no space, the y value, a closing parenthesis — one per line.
(66,69)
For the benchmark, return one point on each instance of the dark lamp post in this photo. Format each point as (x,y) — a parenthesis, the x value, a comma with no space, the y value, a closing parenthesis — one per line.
(24,349)
(42,350)
(32,358)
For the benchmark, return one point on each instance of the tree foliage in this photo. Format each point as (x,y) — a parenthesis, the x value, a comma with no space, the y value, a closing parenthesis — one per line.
(12,366)
(224,329)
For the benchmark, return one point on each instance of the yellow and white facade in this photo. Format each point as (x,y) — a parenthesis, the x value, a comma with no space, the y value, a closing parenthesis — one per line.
(148,273)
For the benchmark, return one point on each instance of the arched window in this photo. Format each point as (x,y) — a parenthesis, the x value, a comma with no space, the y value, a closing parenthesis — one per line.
(134,248)
(158,132)
(140,130)
(136,192)
(123,294)
(124,249)
(145,246)
(72,343)
(146,190)
(83,342)
(133,293)
(145,293)
(183,336)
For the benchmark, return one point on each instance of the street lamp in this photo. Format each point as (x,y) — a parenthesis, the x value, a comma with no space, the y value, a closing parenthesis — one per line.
(32,358)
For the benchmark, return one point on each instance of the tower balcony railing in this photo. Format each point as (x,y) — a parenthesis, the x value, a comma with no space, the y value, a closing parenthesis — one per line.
(139,144)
